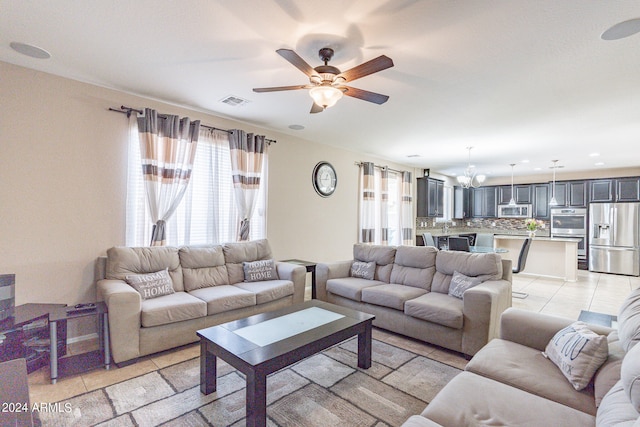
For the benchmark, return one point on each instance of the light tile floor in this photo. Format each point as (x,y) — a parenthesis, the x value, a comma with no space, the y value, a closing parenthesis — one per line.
(597,292)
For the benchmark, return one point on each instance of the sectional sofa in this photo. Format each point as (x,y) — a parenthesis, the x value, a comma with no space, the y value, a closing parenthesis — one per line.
(408,289)
(510,382)
(158,297)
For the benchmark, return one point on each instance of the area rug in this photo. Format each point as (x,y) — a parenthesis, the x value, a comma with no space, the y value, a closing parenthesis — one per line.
(327,389)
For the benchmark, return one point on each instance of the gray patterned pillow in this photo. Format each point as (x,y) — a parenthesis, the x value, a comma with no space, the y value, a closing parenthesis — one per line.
(363,270)
(460,283)
(257,271)
(151,285)
(578,352)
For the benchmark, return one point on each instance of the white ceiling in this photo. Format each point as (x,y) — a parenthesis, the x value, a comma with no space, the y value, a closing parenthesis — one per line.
(516,79)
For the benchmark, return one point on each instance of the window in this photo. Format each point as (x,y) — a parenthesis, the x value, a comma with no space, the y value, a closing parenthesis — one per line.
(207,213)
(391,207)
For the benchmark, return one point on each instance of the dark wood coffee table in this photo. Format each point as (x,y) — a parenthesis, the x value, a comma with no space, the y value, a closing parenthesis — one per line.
(265,343)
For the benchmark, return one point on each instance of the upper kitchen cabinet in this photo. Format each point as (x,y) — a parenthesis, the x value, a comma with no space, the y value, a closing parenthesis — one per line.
(541,199)
(602,190)
(522,196)
(570,193)
(483,202)
(461,202)
(430,197)
(628,189)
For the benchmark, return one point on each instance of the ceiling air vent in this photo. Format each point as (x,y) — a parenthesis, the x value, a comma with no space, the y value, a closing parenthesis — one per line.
(234,101)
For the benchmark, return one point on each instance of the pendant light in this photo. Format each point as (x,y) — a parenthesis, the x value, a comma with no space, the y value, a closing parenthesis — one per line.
(512,202)
(553,201)
(470,179)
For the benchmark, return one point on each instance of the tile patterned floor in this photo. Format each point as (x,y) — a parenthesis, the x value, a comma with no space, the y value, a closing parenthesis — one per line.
(597,292)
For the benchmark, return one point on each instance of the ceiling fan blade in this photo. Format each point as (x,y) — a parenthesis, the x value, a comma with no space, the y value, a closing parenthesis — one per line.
(315,108)
(365,95)
(297,61)
(278,88)
(377,64)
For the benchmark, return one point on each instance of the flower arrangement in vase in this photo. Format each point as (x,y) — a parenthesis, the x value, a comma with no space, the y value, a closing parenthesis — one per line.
(532,225)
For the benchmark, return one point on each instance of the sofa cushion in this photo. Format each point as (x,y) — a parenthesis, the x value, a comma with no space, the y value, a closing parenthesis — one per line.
(630,376)
(578,352)
(237,253)
(258,271)
(171,308)
(460,283)
(487,266)
(436,308)
(390,295)
(527,369)
(268,290)
(414,266)
(122,260)
(472,400)
(223,298)
(350,287)
(151,285)
(616,410)
(203,266)
(363,270)
(383,256)
(609,373)
(629,320)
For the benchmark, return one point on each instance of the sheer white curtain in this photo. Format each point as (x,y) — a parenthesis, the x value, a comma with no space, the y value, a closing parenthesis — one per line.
(208,213)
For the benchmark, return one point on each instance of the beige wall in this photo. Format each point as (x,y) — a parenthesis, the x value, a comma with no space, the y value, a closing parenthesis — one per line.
(63,180)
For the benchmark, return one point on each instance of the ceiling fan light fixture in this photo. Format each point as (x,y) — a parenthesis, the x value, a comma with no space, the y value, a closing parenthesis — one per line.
(325,96)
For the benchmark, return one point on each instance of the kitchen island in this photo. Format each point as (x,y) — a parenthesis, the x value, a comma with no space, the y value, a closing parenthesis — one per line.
(555,257)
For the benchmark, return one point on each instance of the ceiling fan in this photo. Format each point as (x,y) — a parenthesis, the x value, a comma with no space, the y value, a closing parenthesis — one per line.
(327,83)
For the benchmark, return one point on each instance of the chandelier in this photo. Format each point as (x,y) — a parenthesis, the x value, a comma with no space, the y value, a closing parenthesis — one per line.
(470,179)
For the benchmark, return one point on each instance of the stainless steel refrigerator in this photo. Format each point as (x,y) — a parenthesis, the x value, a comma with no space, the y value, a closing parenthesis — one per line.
(614,238)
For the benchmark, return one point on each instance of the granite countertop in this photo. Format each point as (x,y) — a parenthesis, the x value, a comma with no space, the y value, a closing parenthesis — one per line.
(543,238)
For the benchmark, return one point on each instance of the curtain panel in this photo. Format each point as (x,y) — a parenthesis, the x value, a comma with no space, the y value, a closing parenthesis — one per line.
(248,152)
(406,210)
(167,148)
(367,203)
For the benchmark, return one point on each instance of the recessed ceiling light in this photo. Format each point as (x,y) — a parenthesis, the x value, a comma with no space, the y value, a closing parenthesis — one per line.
(296,127)
(594,154)
(537,169)
(599,164)
(30,50)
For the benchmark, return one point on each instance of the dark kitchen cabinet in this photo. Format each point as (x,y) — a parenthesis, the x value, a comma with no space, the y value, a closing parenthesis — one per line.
(541,197)
(522,196)
(601,190)
(430,197)
(628,189)
(484,202)
(570,193)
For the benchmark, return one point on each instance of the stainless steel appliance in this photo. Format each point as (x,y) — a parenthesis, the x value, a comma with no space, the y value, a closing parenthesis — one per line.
(571,222)
(614,238)
(517,211)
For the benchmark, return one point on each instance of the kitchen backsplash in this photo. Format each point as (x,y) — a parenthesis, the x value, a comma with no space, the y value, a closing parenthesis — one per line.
(477,225)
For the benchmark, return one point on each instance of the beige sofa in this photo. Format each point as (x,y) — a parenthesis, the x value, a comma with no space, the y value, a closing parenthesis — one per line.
(209,287)
(409,293)
(511,383)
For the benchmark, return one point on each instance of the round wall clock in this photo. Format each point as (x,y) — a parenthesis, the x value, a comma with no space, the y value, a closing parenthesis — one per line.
(324,179)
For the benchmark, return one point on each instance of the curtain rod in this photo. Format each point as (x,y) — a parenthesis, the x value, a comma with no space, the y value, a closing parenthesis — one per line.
(128,110)
(380,167)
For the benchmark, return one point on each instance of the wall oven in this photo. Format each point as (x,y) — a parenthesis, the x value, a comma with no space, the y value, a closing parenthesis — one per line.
(571,222)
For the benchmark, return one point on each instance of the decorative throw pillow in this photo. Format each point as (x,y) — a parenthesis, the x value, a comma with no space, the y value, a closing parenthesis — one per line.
(151,285)
(363,270)
(258,271)
(578,352)
(460,283)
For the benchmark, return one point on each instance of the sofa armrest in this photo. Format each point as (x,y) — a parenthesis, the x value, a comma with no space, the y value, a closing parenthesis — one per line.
(535,330)
(326,271)
(482,307)
(124,305)
(297,274)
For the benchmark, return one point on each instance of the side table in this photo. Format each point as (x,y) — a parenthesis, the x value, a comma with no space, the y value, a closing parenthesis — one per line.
(84,361)
(311,268)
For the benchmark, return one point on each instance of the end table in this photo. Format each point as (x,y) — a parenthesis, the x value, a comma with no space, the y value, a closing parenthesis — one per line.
(311,268)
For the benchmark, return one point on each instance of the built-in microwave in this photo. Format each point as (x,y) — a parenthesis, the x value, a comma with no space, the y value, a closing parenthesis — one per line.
(517,211)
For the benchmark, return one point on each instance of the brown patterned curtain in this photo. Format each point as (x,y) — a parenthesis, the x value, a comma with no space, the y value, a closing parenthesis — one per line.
(247,154)
(167,147)
(367,203)
(406,210)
